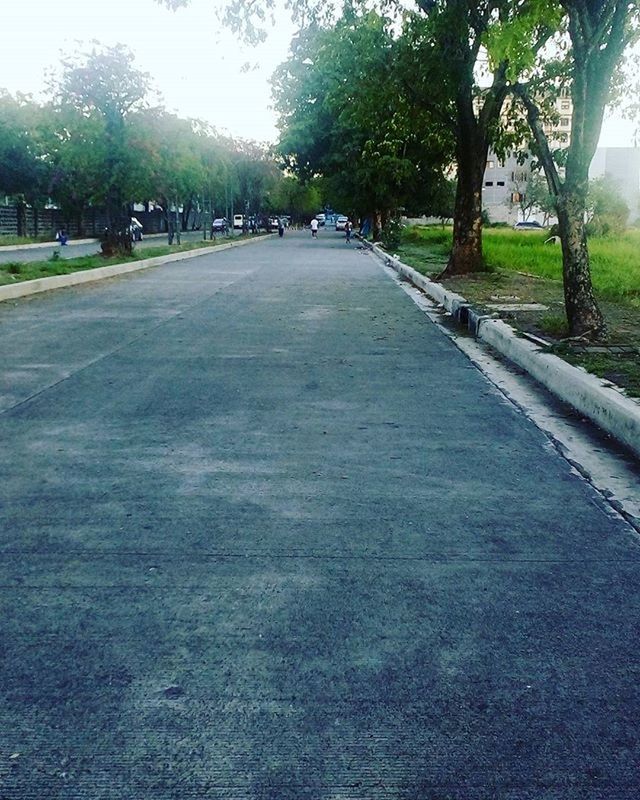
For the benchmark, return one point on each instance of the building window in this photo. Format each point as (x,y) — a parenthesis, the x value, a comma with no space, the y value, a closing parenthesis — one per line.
(564,122)
(565,105)
(490,164)
(500,183)
(488,183)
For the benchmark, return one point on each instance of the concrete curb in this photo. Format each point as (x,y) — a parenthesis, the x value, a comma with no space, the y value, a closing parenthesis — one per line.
(14,291)
(43,245)
(602,403)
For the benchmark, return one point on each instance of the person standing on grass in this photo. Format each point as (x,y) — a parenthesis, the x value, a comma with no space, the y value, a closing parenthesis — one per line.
(314,228)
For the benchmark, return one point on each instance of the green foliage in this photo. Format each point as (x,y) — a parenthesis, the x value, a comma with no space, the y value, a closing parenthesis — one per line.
(99,143)
(514,37)
(344,115)
(392,233)
(24,169)
(615,265)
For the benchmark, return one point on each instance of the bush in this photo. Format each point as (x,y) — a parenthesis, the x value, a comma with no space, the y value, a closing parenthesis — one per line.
(392,234)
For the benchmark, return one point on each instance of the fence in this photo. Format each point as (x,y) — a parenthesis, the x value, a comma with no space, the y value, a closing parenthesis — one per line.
(90,223)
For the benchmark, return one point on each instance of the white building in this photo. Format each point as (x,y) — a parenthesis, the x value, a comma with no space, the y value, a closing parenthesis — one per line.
(506,181)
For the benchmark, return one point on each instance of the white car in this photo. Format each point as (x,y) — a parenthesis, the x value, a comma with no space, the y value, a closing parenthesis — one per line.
(341,223)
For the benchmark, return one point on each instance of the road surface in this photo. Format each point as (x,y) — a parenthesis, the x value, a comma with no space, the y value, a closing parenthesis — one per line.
(77,249)
(267,534)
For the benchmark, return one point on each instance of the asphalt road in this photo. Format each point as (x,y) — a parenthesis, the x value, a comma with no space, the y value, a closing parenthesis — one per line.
(268,535)
(76,249)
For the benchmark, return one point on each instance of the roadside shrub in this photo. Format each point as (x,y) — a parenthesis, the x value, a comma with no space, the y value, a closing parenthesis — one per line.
(392,234)
(607,212)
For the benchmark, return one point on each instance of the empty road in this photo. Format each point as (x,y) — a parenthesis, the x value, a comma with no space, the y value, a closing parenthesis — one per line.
(267,534)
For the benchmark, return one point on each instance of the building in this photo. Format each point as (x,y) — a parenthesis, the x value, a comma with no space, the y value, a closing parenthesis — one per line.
(505,182)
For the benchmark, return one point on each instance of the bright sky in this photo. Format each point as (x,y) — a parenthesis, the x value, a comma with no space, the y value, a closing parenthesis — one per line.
(196,64)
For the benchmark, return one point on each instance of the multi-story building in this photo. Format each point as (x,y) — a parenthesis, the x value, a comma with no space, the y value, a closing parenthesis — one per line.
(505,182)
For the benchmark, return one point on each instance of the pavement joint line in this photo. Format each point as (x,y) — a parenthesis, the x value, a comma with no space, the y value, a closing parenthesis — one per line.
(169,555)
(608,408)
(14,291)
(126,344)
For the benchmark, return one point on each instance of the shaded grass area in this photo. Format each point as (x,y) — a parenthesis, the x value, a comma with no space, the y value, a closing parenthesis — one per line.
(8,240)
(521,268)
(15,272)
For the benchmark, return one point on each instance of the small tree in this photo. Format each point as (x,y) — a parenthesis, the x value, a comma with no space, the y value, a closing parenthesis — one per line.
(104,84)
(607,210)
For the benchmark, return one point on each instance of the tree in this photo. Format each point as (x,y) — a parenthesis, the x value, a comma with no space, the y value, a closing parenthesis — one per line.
(76,151)
(607,211)
(104,86)
(297,199)
(535,197)
(24,168)
(345,117)
(599,33)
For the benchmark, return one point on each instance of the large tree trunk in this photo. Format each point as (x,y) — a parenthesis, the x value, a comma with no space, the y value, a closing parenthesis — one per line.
(583,314)
(466,251)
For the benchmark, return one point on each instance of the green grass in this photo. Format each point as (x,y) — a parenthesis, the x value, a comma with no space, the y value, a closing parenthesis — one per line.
(15,272)
(521,265)
(7,240)
(615,261)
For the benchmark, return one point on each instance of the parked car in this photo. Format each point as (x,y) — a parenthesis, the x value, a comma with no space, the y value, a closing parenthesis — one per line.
(531,225)
(321,219)
(341,223)
(273,223)
(219,225)
(238,221)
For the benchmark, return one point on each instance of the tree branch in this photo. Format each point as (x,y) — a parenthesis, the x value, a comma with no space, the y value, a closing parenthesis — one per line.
(546,157)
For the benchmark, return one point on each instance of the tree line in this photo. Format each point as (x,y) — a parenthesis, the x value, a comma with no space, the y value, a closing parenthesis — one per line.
(100,142)
(382,102)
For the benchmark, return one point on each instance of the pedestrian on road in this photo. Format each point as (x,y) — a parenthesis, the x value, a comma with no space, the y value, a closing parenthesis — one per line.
(61,236)
(280,227)
(347,230)
(314,228)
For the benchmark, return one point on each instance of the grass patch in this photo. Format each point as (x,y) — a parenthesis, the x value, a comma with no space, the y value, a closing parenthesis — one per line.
(7,240)
(15,272)
(522,269)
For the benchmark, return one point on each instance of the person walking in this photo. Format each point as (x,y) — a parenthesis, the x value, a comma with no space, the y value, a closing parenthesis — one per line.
(314,228)
(280,227)
(347,231)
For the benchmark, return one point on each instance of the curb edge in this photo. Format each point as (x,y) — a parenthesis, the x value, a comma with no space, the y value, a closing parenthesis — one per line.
(605,405)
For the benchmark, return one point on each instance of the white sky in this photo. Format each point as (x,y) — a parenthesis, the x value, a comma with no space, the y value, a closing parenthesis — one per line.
(195,63)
